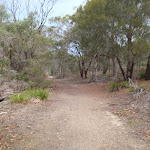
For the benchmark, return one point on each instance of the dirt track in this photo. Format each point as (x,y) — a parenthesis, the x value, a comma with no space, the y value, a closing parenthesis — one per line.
(78,119)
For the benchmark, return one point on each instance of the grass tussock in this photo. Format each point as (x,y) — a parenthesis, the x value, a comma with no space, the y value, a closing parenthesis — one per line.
(113,87)
(28,95)
(116,86)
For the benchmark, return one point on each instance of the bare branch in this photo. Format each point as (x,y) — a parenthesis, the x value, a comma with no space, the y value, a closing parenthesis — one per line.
(45,8)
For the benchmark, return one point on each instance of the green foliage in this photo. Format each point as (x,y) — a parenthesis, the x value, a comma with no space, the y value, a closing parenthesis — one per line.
(117,29)
(113,87)
(4,63)
(38,93)
(116,86)
(31,84)
(47,84)
(21,77)
(142,74)
(117,25)
(20,98)
(36,74)
(133,123)
(3,13)
(142,86)
(144,64)
(124,84)
(132,89)
(28,95)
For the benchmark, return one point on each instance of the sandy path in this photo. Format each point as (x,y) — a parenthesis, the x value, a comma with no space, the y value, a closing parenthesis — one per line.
(78,120)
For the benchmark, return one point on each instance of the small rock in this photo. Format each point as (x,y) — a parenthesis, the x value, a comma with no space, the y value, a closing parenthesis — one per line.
(29,127)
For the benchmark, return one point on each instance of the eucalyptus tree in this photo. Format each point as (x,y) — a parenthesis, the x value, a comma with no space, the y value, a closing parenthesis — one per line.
(147,75)
(63,59)
(4,17)
(89,33)
(3,14)
(132,24)
(22,42)
(115,29)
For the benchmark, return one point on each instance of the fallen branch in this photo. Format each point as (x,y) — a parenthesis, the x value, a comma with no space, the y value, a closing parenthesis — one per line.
(3,98)
(138,90)
(3,113)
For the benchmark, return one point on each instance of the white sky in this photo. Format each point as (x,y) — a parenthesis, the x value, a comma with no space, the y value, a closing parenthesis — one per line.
(61,8)
(64,7)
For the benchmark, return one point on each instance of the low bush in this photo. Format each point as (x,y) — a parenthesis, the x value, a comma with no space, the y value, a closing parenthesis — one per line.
(20,98)
(31,84)
(124,84)
(21,77)
(113,87)
(132,89)
(142,75)
(47,83)
(28,95)
(38,93)
(36,75)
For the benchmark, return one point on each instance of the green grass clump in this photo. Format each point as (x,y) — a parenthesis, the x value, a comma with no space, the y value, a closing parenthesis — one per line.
(47,83)
(113,87)
(132,89)
(28,95)
(20,98)
(38,93)
(124,84)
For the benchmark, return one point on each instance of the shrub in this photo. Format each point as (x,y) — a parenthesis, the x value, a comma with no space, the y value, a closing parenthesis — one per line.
(144,64)
(21,77)
(36,75)
(31,84)
(113,86)
(28,95)
(124,84)
(142,74)
(38,93)
(132,89)
(47,83)
(20,98)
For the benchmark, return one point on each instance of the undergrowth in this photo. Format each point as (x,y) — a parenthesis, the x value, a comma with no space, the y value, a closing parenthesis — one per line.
(113,86)
(28,95)
(142,75)
(116,86)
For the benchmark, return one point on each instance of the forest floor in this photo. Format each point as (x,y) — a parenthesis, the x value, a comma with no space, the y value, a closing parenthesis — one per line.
(78,116)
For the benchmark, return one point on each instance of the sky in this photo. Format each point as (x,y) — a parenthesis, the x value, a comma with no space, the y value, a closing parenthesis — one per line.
(61,8)
(64,7)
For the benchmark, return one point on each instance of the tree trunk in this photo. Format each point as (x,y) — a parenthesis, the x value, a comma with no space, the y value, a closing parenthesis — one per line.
(81,68)
(94,72)
(85,73)
(81,73)
(26,54)
(60,71)
(10,58)
(130,67)
(114,66)
(147,76)
(105,67)
(121,68)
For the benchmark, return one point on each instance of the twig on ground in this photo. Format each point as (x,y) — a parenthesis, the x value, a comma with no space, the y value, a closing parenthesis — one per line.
(138,90)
